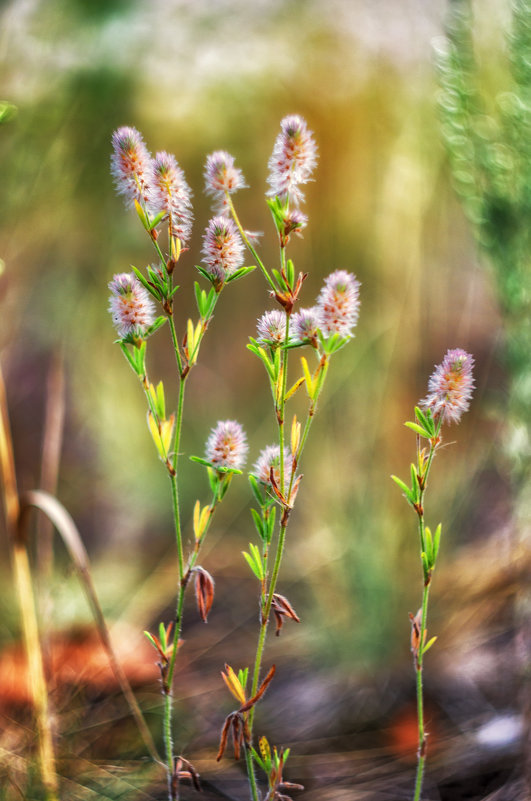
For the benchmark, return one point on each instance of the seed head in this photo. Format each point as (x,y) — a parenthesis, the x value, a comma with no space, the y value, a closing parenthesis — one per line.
(130,305)
(171,194)
(222,249)
(338,304)
(268,460)
(222,176)
(272,328)
(227,445)
(131,165)
(305,324)
(450,386)
(293,160)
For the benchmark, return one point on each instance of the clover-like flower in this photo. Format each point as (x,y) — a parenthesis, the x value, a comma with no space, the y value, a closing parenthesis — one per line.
(172,195)
(131,165)
(305,324)
(450,386)
(271,328)
(293,160)
(222,176)
(227,445)
(338,304)
(269,460)
(130,305)
(223,249)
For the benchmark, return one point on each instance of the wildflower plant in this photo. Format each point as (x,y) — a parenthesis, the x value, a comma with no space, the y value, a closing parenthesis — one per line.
(157,190)
(324,329)
(449,391)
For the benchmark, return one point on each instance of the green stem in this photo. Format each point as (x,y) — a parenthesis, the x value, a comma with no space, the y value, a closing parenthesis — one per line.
(419,656)
(421,757)
(248,242)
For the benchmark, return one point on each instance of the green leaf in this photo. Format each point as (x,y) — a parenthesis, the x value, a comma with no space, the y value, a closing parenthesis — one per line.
(436,542)
(258,522)
(280,281)
(425,421)
(155,221)
(151,639)
(290,272)
(405,489)
(240,273)
(7,111)
(260,352)
(429,546)
(162,636)
(418,430)
(256,568)
(428,645)
(255,487)
(161,402)
(145,283)
(258,759)
(159,322)
(414,482)
(205,274)
(243,675)
(200,460)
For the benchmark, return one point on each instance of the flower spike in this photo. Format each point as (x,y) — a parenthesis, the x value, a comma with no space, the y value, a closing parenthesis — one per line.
(450,386)
(131,166)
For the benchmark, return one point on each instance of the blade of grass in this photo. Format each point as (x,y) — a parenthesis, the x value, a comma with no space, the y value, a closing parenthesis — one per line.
(24,589)
(71,537)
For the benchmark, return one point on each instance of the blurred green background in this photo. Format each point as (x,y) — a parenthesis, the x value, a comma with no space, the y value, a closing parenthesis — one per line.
(206,75)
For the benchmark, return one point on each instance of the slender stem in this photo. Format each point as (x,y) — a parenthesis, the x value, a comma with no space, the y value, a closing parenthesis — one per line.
(247,241)
(175,342)
(419,656)
(421,759)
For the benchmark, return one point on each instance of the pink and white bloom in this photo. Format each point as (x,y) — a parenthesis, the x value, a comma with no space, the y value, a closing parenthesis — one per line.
(172,195)
(450,386)
(131,166)
(223,249)
(227,445)
(222,176)
(338,304)
(271,327)
(269,460)
(130,305)
(305,324)
(293,160)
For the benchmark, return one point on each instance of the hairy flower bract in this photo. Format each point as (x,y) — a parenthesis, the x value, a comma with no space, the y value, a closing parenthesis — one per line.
(222,249)
(227,445)
(293,160)
(171,194)
(131,165)
(450,386)
(271,327)
(130,305)
(338,304)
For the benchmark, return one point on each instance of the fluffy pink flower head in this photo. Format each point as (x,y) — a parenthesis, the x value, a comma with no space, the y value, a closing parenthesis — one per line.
(171,194)
(272,327)
(131,165)
(227,445)
(222,249)
(222,176)
(338,304)
(305,324)
(450,386)
(293,160)
(268,460)
(130,305)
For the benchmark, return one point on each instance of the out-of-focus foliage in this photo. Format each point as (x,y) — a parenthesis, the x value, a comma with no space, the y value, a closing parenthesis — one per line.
(488,139)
